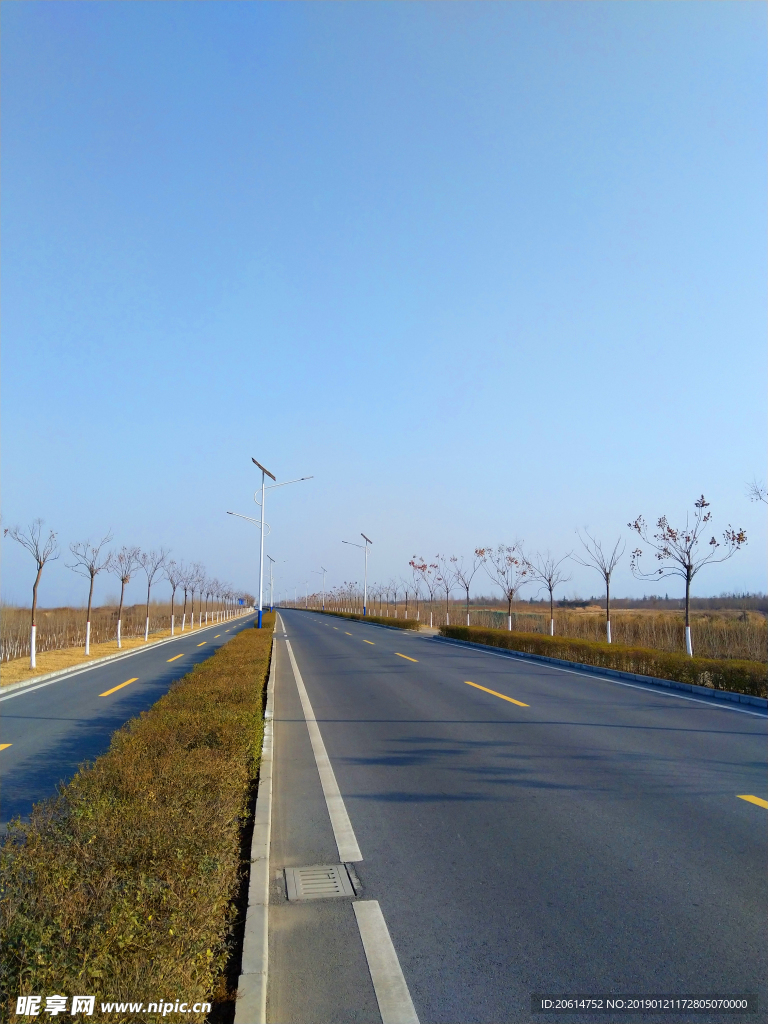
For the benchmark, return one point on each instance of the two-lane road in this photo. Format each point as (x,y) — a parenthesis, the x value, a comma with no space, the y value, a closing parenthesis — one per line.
(526,829)
(48,730)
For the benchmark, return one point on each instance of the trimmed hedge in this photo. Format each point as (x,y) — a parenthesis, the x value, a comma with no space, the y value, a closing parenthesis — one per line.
(122,887)
(379,620)
(749,677)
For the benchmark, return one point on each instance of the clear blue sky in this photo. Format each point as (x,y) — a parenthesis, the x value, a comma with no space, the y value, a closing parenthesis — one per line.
(488,271)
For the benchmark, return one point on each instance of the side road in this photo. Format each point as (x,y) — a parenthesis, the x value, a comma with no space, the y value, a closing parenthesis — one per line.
(48,728)
(83,664)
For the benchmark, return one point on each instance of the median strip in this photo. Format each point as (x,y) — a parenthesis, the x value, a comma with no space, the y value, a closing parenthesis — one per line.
(755,800)
(116,688)
(495,694)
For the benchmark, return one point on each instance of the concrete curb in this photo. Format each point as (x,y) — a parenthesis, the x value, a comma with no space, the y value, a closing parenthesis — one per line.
(85,667)
(611,673)
(251,1005)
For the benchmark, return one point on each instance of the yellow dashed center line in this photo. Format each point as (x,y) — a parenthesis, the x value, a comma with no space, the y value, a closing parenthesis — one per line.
(404,656)
(495,694)
(203,643)
(4,746)
(116,688)
(216,637)
(755,800)
(369,642)
(348,634)
(175,657)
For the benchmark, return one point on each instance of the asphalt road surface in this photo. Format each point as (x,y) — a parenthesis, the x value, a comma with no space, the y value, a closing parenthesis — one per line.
(47,731)
(524,829)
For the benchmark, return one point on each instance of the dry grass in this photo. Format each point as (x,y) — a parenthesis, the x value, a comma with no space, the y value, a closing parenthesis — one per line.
(18,670)
(123,886)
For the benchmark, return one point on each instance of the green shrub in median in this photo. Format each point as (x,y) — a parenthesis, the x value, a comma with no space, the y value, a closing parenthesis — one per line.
(122,887)
(379,620)
(748,677)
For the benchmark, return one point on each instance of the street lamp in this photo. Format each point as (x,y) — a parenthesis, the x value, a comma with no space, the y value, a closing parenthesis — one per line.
(317,572)
(265,473)
(365,583)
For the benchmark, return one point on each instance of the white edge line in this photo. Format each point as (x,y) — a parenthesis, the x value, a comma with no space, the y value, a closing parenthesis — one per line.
(27,686)
(251,1004)
(662,691)
(394,999)
(342,826)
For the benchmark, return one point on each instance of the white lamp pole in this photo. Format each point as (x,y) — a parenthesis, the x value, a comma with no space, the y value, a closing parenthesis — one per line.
(365,578)
(317,572)
(271,584)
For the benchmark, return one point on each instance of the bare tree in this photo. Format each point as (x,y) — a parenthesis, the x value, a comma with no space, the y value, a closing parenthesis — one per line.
(446,580)
(545,569)
(196,577)
(151,562)
(464,573)
(605,562)
(174,573)
(42,551)
(427,572)
(506,568)
(123,564)
(757,491)
(89,562)
(676,550)
(185,583)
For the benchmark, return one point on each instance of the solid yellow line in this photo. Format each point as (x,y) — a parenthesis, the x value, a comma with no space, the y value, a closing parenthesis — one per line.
(203,643)
(369,642)
(404,656)
(175,657)
(510,699)
(115,688)
(755,800)
(4,746)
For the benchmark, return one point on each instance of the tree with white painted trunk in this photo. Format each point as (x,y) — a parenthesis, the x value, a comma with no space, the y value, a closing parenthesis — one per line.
(506,567)
(427,572)
(151,562)
(446,580)
(604,562)
(546,570)
(465,572)
(185,583)
(676,549)
(196,581)
(42,551)
(90,560)
(123,564)
(174,573)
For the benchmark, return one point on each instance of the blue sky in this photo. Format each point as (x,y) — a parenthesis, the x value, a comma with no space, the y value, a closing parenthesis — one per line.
(487,271)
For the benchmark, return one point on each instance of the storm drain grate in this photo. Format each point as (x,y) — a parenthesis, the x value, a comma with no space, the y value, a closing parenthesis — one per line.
(318,882)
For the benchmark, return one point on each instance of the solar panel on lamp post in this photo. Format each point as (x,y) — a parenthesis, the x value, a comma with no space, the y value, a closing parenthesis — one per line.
(365,578)
(265,473)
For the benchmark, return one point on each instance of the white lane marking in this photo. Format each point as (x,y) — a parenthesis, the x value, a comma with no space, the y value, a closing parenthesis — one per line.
(342,826)
(633,686)
(391,990)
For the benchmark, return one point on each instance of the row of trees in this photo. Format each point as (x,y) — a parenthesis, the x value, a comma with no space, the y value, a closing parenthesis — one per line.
(679,551)
(88,559)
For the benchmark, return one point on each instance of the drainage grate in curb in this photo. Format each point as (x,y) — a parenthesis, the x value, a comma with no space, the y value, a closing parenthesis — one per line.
(318,882)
